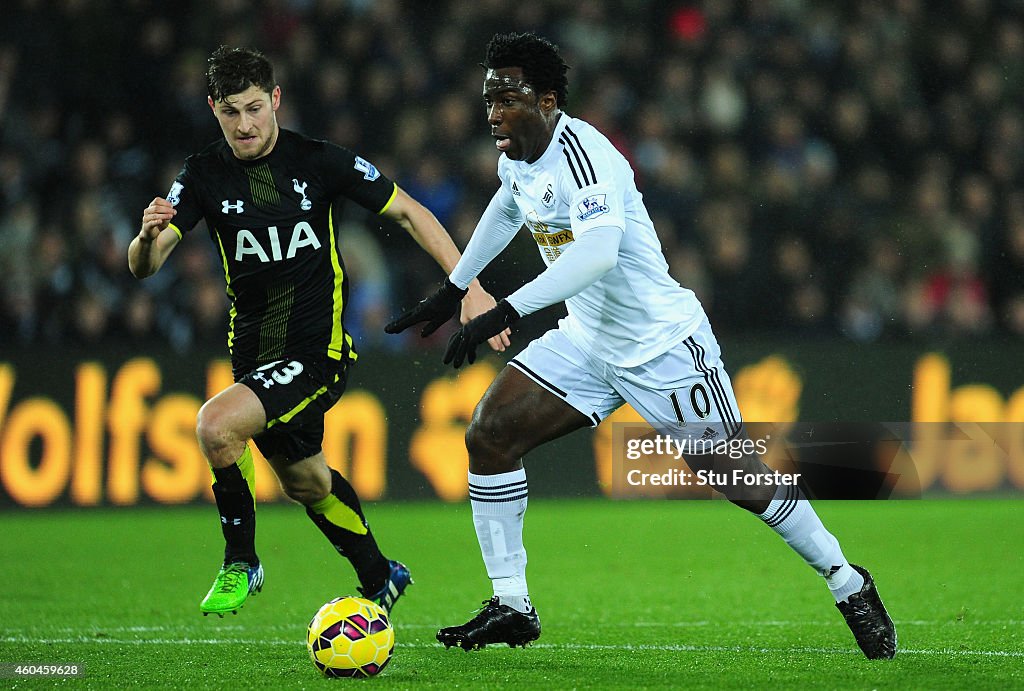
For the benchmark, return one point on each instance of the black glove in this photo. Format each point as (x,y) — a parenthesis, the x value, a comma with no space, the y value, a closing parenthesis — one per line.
(435,310)
(462,344)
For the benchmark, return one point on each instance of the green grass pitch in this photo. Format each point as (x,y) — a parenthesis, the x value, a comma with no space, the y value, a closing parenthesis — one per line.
(653,594)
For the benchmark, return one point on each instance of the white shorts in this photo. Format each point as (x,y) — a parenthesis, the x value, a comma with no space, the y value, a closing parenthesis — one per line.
(685,392)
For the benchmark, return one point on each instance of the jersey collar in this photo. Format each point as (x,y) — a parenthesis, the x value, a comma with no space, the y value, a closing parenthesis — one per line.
(554,148)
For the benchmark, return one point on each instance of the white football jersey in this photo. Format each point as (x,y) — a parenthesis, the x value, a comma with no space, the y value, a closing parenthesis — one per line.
(636,311)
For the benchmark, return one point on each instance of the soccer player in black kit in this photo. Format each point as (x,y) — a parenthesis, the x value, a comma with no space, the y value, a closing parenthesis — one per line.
(270,198)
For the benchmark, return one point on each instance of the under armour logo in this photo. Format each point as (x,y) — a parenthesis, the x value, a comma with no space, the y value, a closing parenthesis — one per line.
(300,188)
(232,521)
(226,206)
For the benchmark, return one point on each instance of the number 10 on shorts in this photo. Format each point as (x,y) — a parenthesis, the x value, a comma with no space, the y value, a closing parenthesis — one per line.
(699,402)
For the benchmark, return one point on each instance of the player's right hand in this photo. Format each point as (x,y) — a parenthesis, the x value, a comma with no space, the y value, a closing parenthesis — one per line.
(155,218)
(435,310)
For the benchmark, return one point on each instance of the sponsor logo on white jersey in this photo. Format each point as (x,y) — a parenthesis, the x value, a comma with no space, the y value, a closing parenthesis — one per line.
(592,207)
(551,240)
(554,238)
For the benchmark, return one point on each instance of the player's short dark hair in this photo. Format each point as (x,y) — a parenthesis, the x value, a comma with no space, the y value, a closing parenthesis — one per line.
(542,65)
(233,70)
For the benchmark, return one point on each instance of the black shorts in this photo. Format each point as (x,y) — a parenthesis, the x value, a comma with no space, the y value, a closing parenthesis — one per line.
(295,393)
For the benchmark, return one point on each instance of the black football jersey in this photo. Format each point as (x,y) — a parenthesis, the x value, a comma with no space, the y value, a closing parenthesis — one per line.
(272,222)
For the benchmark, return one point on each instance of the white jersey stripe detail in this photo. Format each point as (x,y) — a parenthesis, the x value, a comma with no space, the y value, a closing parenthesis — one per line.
(583,151)
(577,170)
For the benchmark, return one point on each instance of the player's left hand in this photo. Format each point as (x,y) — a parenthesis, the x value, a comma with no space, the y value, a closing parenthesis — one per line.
(462,344)
(477,302)
(435,309)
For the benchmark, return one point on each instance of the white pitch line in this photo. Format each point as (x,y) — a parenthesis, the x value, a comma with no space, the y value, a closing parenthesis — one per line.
(220,627)
(680,648)
(905,622)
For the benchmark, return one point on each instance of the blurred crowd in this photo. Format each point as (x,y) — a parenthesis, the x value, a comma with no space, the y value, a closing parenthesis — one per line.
(812,167)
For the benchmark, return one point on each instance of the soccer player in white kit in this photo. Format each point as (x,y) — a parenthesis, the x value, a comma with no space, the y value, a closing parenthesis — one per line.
(632,335)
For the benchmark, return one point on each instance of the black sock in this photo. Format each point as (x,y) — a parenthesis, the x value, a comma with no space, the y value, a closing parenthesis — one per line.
(237,515)
(350,534)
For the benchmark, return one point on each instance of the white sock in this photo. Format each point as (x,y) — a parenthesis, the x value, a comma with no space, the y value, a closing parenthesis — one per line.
(791,516)
(499,504)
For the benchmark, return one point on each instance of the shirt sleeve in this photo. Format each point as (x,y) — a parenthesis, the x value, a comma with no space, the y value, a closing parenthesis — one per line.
(590,180)
(185,197)
(356,178)
(596,205)
(499,223)
(591,255)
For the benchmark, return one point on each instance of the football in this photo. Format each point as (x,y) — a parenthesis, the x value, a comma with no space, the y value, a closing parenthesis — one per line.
(350,637)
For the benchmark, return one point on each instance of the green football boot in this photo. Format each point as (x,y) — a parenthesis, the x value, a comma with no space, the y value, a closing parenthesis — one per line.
(232,587)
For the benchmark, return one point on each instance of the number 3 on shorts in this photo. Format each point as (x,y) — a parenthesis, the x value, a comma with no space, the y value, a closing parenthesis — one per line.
(281,375)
